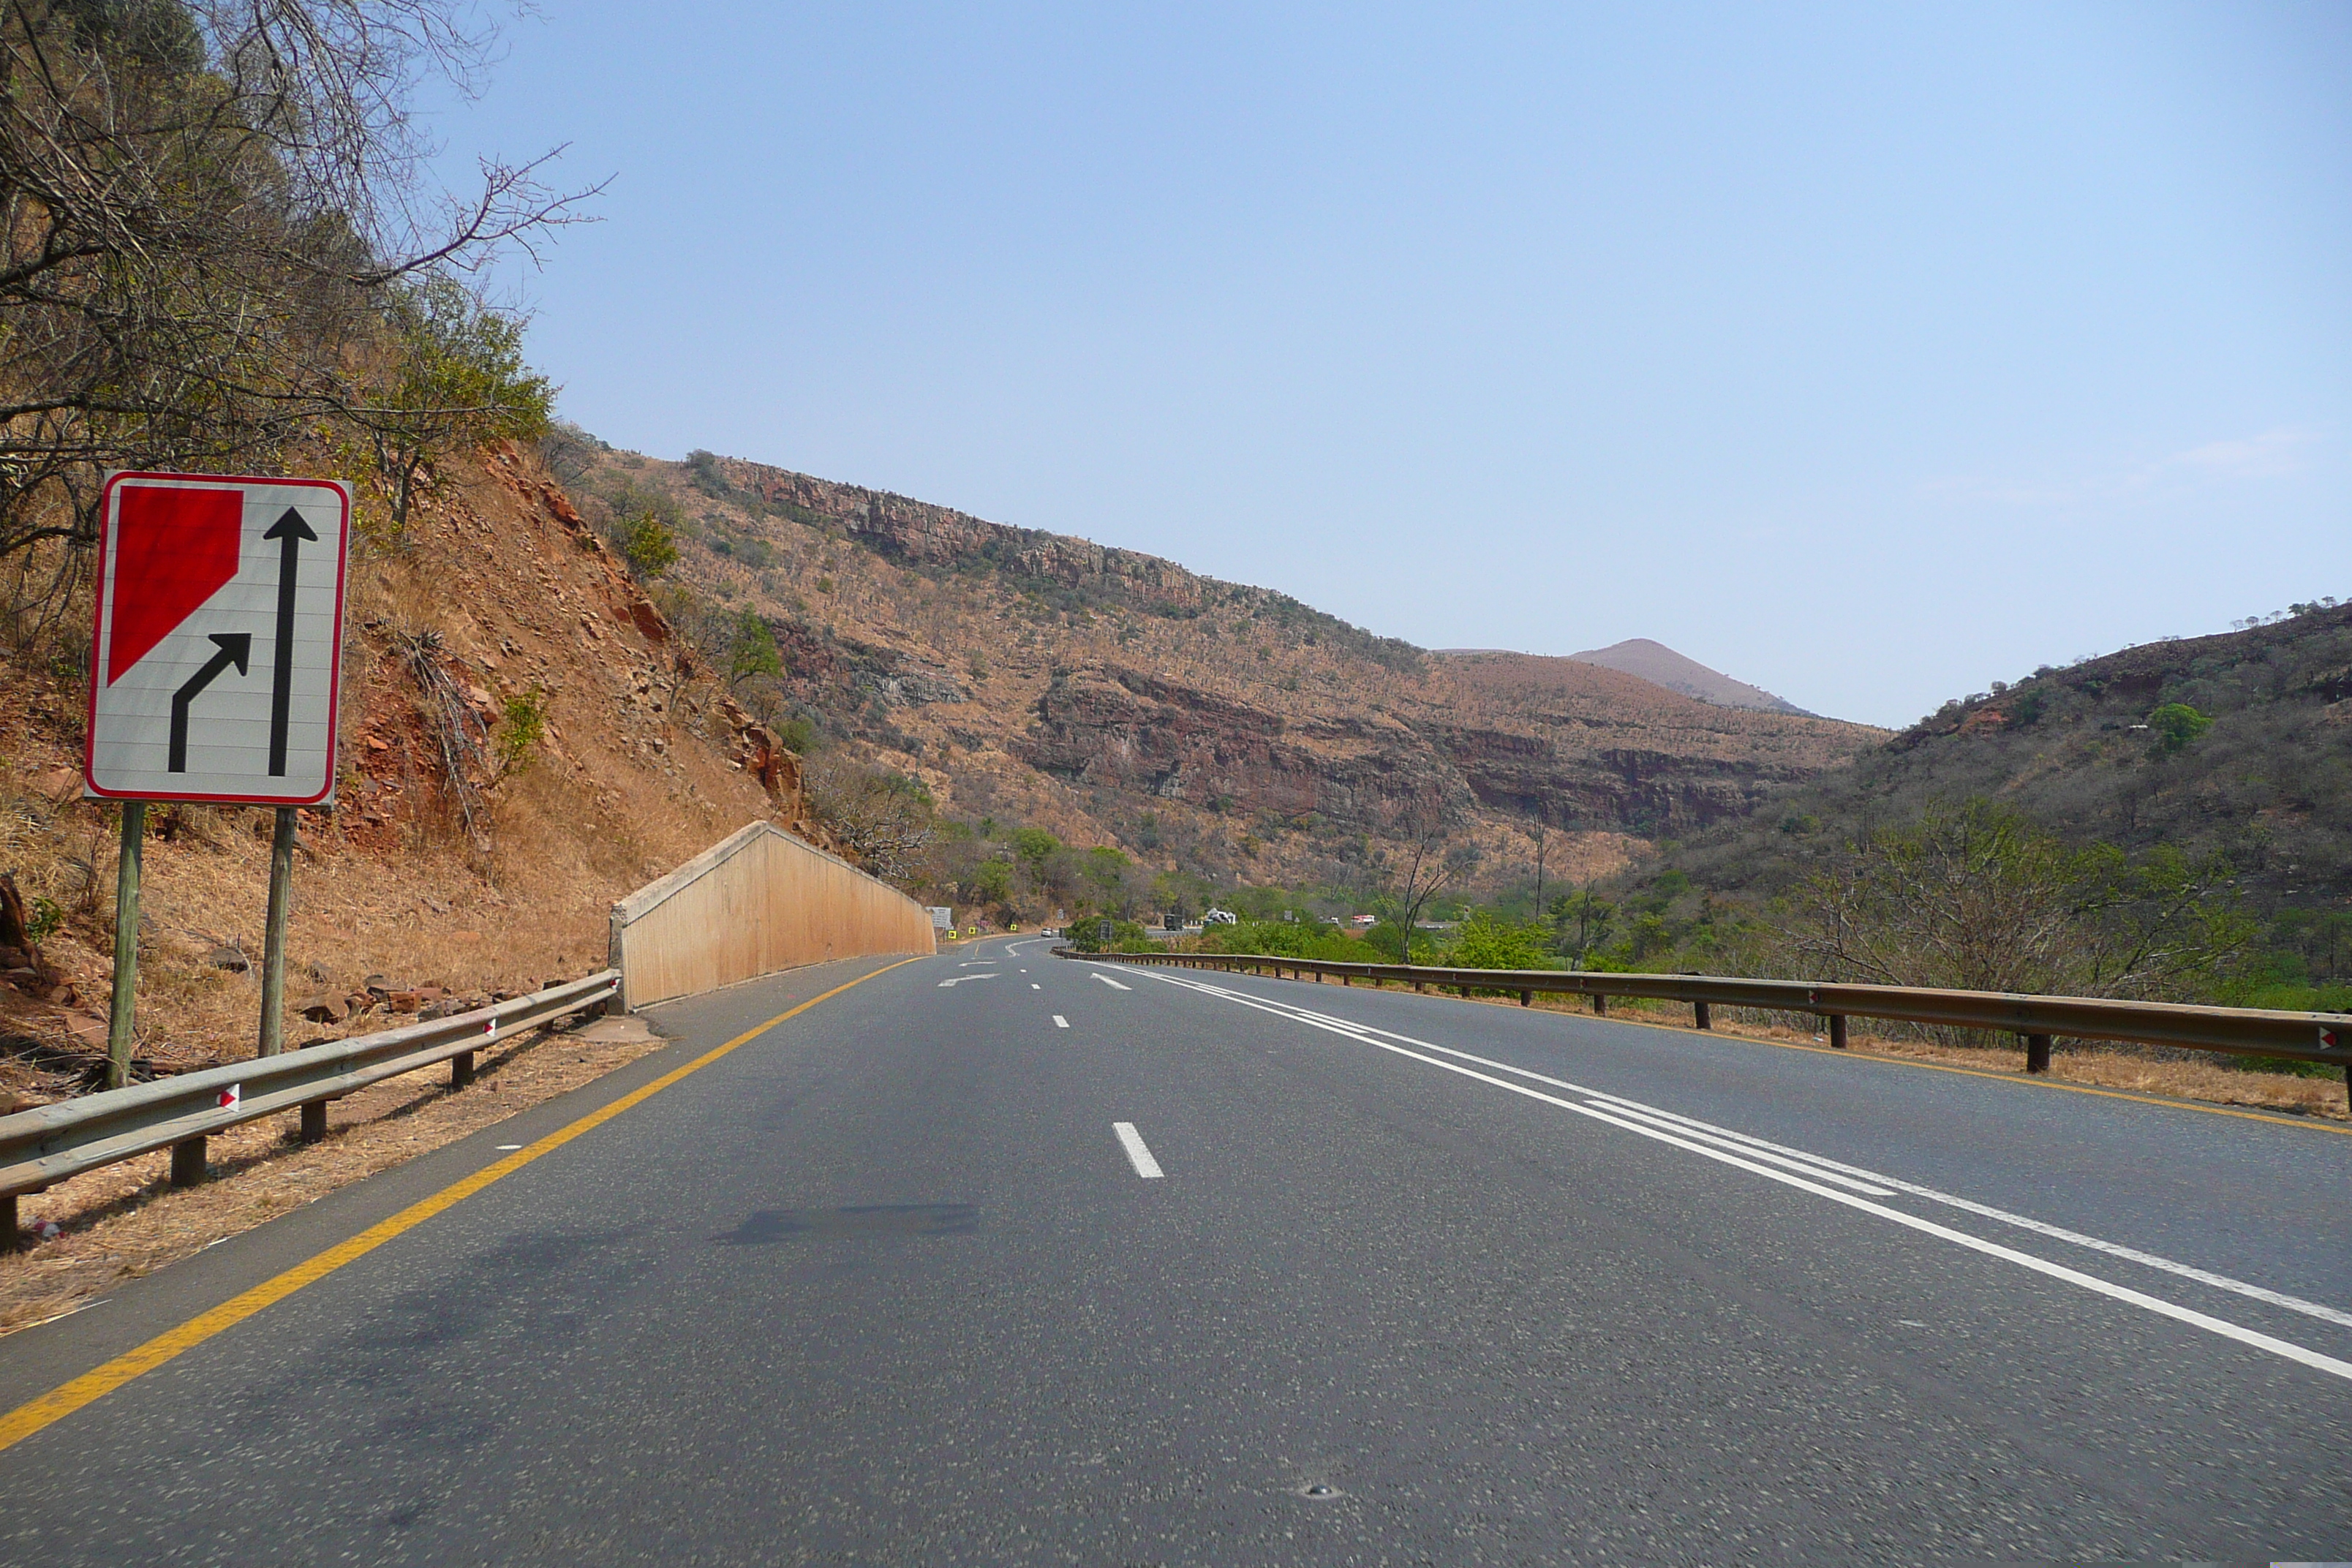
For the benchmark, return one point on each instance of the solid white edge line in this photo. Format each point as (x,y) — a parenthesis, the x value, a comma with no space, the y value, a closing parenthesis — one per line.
(1798,1166)
(2188,1315)
(2057,1233)
(1139,1154)
(2024,1222)
(1060,1022)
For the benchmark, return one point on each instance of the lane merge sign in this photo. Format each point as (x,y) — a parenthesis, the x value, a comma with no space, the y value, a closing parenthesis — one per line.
(217,655)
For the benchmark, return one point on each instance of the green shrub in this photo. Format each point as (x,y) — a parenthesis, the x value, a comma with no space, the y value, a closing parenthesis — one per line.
(521,730)
(647,544)
(752,650)
(1484,941)
(1287,939)
(2176,725)
(1101,933)
(43,920)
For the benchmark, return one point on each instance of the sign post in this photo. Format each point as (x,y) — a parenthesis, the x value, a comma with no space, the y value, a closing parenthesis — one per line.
(126,944)
(273,941)
(214,667)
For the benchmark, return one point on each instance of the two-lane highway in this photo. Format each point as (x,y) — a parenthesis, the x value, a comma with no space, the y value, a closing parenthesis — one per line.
(997,1257)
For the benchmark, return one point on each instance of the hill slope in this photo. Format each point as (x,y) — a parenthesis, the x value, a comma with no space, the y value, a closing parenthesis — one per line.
(1654,661)
(2084,751)
(500,590)
(1118,697)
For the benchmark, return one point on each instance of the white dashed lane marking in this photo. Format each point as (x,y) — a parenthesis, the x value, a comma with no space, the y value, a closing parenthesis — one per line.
(1138,1153)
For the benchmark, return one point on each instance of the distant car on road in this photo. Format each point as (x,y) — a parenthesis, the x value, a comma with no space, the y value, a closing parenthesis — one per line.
(1220,918)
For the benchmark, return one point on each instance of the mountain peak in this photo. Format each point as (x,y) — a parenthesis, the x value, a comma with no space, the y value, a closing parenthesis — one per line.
(1655,662)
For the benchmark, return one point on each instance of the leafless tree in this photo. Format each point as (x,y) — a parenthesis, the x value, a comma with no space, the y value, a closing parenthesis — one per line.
(1978,899)
(1426,862)
(885,818)
(202,205)
(1543,830)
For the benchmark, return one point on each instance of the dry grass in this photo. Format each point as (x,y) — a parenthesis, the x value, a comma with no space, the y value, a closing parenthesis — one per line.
(126,1220)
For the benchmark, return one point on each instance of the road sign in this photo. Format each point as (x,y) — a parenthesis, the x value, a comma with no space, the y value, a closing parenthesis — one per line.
(215,659)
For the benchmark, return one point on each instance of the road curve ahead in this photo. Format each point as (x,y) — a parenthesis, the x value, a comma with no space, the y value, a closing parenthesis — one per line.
(996,1258)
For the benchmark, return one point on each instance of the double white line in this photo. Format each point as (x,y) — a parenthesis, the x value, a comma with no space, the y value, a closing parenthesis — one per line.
(1849,1184)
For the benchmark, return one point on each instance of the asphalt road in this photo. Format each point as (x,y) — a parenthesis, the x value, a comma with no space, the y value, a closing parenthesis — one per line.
(1001,1259)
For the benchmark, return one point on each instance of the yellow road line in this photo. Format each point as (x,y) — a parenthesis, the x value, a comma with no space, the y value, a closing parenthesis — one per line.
(101,1381)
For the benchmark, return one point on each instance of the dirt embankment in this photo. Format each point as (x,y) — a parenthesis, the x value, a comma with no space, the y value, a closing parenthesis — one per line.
(418,888)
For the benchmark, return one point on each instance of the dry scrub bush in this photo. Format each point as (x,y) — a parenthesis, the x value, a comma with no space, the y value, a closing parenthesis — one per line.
(1974,898)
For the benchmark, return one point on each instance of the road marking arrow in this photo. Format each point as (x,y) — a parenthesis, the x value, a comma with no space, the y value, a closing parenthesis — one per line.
(290,531)
(235,647)
(1109,981)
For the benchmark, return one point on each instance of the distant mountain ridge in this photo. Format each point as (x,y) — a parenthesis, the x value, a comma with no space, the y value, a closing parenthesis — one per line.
(1655,662)
(1113,697)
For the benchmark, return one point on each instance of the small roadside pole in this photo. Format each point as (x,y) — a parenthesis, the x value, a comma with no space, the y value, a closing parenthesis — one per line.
(200,575)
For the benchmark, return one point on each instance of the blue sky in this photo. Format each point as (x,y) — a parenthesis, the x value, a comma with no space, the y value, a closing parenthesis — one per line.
(1869,353)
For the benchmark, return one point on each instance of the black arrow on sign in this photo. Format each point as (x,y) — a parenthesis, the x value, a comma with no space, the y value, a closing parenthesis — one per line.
(235,647)
(289,530)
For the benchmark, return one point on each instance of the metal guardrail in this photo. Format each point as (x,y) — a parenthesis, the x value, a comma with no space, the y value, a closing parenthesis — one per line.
(49,1142)
(2244,1031)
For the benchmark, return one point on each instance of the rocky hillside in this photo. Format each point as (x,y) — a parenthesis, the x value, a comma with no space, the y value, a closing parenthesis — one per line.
(2239,744)
(1118,697)
(499,629)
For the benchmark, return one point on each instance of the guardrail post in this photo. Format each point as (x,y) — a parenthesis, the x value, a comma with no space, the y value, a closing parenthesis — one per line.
(188,1162)
(1527,997)
(1418,985)
(1600,1006)
(1702,1016)
(2037,1053)
(314,1122)
(461,1070)
(1837,1031)
(11,1237)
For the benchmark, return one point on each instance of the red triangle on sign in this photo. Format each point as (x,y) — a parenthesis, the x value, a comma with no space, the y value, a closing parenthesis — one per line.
(174,549)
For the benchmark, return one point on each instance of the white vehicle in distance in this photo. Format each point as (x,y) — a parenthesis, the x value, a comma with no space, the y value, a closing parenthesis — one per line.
(1220,918)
